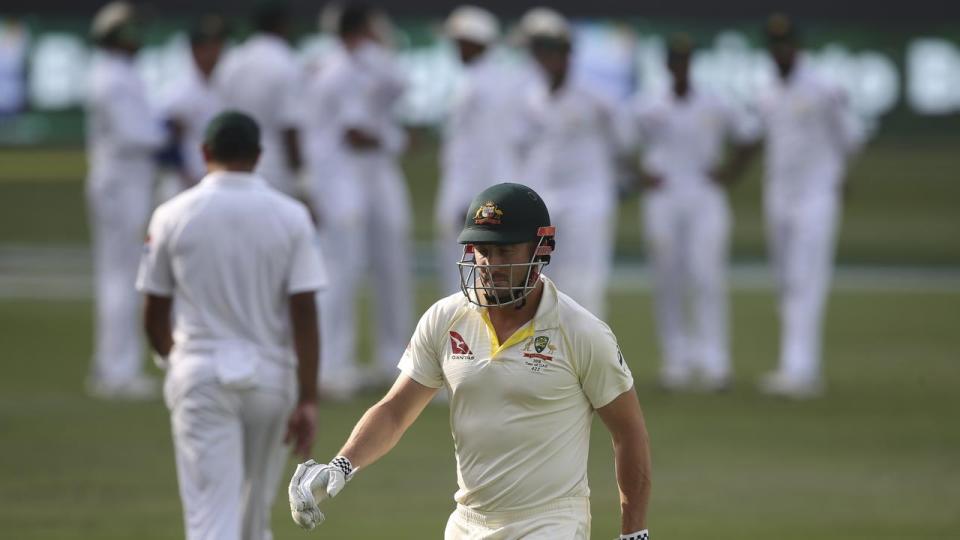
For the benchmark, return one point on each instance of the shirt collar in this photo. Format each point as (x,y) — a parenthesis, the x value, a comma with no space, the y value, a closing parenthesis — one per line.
(232,179)
(547,315)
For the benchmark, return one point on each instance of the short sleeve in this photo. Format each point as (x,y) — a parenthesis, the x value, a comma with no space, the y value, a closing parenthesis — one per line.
(604,373)
(307,272)
(421,360)
(155,275)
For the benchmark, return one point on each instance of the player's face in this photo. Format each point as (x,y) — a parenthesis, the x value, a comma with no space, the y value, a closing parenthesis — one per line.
(553,60)
(784,55)
(469,50)
(492,270)
(206,55)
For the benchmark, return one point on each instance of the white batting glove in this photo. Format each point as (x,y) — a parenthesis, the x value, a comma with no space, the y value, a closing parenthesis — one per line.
(639,535)
(312,484)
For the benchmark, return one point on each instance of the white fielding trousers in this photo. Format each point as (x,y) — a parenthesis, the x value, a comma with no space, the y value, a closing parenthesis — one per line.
(801,236)
(450,216)
(687,237)
(369,235)
(230,455)
(583,259)
(119,207)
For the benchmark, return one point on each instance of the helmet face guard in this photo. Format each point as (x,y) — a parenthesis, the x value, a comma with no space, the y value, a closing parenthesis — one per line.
(476,279)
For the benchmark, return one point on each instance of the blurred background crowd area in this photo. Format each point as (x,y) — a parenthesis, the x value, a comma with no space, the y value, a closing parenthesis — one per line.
(900,67)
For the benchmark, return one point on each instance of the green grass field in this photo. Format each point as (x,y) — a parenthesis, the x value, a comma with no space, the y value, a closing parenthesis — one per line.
(878,457)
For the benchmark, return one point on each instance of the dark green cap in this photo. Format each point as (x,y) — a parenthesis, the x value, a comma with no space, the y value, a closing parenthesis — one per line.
(779,28)
(505,214)
(233,136)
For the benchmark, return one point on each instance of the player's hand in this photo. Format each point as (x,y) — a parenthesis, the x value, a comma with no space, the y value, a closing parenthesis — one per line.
(312,484)
(302,428)
(361,140)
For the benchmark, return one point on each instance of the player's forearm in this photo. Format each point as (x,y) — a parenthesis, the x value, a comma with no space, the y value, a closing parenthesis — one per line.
(306,342)
(291,143)
(632,459)
(157,323)
(375,434)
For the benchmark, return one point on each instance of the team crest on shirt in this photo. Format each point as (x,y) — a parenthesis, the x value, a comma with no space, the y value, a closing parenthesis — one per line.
(459,350)
(538,361)
(488,214)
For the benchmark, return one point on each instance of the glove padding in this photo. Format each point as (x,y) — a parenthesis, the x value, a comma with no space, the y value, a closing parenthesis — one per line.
(312,484)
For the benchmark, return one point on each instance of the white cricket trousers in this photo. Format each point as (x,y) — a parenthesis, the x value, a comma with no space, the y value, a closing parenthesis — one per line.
(230,454)
(688,236)
(449,223)
(582,261)
(564,519)
(372,240)
(801,235)
(119,207)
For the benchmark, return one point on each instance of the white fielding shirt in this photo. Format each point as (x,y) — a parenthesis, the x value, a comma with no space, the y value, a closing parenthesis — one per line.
(520,411)
(684,138)
(262,78)
(810,132)
(230,251)
(193,104)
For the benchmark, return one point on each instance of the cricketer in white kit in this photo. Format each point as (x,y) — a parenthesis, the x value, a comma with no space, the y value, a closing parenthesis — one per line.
(262,78)
(525,367)
(194,100)
(477,150)
(570,139)
(239,262)
(360,197)
(810,133)
(122,136)
(686,218)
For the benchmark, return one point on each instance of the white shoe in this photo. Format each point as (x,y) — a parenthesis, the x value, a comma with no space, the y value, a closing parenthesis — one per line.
(138,388)
(778,384)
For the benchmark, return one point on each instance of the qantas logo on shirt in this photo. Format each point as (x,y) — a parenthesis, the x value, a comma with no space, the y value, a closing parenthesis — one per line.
(459,348)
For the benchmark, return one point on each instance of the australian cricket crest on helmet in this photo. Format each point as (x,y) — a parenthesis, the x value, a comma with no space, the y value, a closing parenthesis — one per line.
(488,214)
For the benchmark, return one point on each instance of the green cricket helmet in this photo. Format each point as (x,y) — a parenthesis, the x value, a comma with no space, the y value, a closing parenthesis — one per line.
(504,214)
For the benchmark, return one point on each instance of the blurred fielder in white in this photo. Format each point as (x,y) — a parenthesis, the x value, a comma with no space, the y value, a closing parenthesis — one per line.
(240,262)
(569,139)
(526,368)
(262,78)
(686,218)
(122,136)
(361,198)
(477,149)
(194,101)
(810,133)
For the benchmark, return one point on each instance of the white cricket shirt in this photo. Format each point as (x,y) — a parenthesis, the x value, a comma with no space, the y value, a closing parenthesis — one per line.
(122,130)
(193,104)
(810,131)
(520,411)
(483,108)
(684,138)
(262,78)
(230,251)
